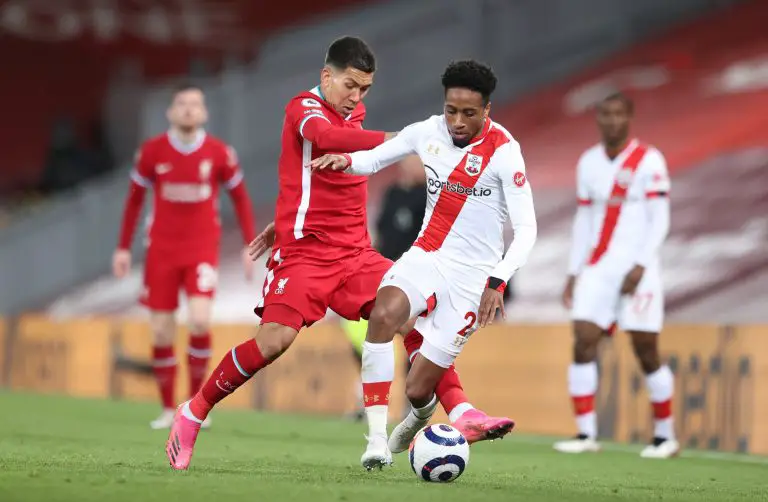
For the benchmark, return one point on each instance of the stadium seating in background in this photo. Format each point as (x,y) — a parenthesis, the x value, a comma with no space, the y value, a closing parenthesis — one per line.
(63,55)
(701,95)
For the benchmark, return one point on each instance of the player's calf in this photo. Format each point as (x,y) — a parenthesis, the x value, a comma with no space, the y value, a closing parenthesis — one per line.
(418,391)
(646,348)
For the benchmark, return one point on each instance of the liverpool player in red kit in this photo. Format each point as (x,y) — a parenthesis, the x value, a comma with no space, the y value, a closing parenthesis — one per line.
(321,255)
(184,168)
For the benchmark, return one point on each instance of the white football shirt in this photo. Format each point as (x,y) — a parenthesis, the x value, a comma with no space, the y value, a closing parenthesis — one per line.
(471,192)
(623,215)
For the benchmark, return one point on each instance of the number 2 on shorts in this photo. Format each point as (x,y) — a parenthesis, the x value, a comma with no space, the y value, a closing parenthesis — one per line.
(471,317)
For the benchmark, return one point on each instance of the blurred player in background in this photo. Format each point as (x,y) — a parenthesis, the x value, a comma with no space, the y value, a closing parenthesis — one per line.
(456,271)
(397,226)
(184,168)
(321,252)
(614,270)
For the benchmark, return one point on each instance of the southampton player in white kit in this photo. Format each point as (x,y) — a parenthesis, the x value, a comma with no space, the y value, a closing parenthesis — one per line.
(614,270)
(456,272)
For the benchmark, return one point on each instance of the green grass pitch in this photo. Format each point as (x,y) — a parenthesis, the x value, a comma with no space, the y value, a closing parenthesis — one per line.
(62,449)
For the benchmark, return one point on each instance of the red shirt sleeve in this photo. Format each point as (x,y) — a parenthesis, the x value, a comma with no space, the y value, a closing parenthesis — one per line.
(313,125)
(231,176)
(141,179)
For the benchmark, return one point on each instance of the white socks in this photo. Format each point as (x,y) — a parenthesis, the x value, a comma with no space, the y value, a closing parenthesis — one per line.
(377,373)
(582,386)
(661,387)
(458,411)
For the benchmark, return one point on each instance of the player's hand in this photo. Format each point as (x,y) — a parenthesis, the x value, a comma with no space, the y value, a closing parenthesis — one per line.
(490,302)
(330,161)
(568,292)
(261,243)
(121,263)
(247,263)
(389,135)
(632,279)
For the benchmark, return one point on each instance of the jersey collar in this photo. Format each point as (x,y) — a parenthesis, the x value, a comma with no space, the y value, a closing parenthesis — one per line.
(319,93)
(631,145)
(186,148)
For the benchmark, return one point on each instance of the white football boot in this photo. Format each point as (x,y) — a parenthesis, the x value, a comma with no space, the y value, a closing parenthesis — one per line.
(403,434)
(164,421)
(580,444)
(377,453)
(417,419)
(661,448)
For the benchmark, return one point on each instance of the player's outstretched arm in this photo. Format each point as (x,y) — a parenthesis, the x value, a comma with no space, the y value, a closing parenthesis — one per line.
(368,162)
(316,129)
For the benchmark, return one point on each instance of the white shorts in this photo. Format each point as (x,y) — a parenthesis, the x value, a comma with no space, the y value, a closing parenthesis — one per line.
(597,299)
(448,316)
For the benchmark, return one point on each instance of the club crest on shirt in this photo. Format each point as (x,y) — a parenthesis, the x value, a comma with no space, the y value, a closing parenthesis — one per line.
(205,169)
(473,164)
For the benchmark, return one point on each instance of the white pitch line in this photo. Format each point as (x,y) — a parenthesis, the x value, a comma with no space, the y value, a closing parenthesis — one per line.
(635,449)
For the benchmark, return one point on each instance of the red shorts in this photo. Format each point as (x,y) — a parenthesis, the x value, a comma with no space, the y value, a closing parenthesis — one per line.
(302,283)
(166,272)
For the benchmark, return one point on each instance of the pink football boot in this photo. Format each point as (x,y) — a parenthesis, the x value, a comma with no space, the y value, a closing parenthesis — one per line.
(181,441)
(477,426)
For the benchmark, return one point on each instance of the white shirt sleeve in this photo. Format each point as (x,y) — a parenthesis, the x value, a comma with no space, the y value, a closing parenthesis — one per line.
(519,199)
(368,162)
(656,184)
(582,225)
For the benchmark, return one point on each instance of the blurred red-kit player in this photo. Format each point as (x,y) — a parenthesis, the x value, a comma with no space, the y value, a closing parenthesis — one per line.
(184,168)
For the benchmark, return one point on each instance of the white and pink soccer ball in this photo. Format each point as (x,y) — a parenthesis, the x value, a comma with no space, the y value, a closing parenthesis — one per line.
(439,453)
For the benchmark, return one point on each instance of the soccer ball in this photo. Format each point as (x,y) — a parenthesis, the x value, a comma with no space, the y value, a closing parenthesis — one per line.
(439,453)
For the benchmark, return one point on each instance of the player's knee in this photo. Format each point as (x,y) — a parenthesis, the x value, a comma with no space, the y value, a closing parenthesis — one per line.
(163,329)
(384,323)
(274,339)
(199,325)
(587,339)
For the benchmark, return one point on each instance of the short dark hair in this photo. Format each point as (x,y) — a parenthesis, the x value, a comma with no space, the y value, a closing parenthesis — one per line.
(620,96)
(183,87)
(352,52)
(472,75)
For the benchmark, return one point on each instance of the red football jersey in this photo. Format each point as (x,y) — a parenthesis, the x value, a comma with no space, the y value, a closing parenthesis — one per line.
(328,205)
(185,182)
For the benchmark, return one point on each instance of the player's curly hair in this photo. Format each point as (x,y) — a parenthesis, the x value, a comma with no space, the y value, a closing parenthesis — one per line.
(472,75)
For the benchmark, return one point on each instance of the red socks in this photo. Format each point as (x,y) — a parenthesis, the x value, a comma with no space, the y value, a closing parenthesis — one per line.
(198,354)
(236,368)
(449,391)
(164,368)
